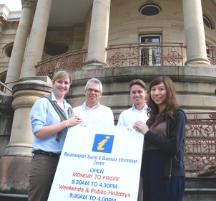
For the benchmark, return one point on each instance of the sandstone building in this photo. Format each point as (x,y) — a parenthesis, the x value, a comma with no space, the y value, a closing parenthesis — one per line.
(115,41)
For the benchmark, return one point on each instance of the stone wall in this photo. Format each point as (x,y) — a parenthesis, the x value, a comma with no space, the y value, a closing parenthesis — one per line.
(8,25)
(195,85)
(6,118)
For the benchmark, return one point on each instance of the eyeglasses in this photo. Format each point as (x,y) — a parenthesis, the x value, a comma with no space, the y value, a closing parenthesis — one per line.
(93,90)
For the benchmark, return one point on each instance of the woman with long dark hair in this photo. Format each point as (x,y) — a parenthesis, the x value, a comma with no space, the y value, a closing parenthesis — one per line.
(163,156)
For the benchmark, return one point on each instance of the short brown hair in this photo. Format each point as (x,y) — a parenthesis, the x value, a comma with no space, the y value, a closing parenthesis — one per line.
(137,82)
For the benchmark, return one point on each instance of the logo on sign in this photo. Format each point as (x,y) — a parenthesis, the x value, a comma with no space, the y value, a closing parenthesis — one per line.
(103,143)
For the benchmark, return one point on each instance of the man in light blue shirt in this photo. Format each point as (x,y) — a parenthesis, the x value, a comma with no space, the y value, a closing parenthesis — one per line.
(138,111)
(91,112)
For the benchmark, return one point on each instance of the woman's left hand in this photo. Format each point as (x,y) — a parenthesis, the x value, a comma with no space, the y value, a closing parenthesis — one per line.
(141,127)
(74,120)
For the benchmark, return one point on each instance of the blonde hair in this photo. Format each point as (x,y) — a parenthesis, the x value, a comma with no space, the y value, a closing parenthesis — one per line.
(61,74)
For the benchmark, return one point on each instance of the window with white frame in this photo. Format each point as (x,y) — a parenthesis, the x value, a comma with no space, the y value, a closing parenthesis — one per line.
(211,53)
(150,51)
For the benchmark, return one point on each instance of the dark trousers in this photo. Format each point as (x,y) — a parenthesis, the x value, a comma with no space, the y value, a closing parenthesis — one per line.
(41,176)
(155,186)
(176,186)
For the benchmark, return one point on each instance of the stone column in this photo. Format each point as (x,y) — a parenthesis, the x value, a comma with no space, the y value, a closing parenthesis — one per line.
(195,33)
(98,36)
(1,24)
(35,46)
(15,162)
(25,92)
(15,63)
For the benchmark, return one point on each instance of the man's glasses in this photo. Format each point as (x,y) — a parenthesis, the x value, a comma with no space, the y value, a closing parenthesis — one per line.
(93,90)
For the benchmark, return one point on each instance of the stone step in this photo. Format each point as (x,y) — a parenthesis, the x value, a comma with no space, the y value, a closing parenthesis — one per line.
(196,189)
(200,189)
(13,197)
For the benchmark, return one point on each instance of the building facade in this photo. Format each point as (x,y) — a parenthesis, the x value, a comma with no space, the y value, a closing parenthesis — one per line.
(115,41)
(9,21)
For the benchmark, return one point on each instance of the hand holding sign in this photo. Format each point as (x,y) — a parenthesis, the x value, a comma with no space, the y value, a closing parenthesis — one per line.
(98,165)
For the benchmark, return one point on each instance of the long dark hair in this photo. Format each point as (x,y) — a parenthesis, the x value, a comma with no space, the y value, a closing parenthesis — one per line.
(171,101)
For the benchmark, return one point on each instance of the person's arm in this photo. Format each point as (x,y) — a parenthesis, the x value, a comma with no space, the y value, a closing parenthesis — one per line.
(50,130)
(41,112)
(171,144)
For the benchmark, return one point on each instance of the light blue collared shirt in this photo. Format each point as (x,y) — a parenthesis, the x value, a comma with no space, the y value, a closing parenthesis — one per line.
(43,114)
(128,117)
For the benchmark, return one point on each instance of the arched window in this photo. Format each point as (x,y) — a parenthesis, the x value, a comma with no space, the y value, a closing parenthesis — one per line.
(149,9)
(208,22)
(8,49)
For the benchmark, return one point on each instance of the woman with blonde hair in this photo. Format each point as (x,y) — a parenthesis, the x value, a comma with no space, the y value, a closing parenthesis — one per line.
(50,119)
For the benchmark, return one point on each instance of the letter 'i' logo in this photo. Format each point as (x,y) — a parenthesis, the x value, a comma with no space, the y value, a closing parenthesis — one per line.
(103,143)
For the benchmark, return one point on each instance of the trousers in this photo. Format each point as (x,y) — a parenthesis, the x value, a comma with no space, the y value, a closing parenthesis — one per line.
(43,168)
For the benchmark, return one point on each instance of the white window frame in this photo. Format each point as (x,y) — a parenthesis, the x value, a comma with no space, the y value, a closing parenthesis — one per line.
(150,50)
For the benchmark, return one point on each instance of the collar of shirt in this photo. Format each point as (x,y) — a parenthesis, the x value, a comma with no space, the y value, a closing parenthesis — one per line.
(90,108)
(53,98)
(145,107)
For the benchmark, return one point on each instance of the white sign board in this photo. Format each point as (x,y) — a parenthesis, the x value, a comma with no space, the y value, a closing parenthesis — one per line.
(100,165)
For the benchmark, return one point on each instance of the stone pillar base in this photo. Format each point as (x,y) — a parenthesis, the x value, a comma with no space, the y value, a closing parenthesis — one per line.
(197,61)
(19,150)
(94,64)
(16,160)
(14,174)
